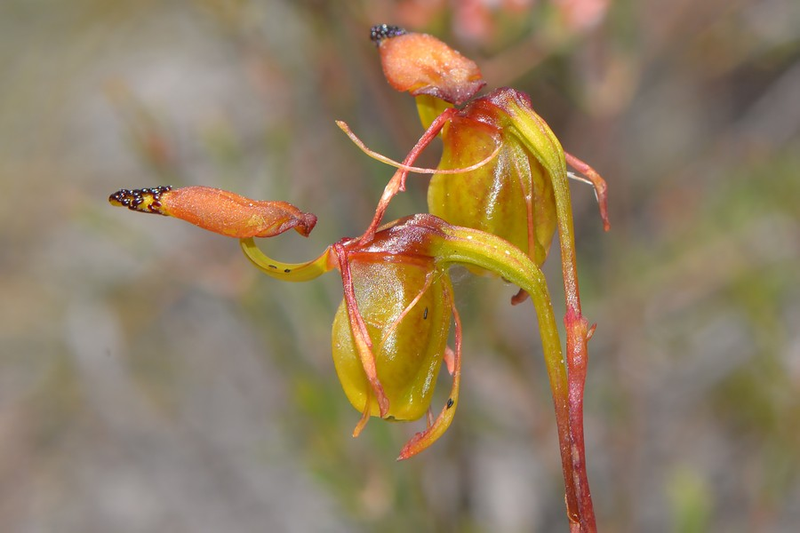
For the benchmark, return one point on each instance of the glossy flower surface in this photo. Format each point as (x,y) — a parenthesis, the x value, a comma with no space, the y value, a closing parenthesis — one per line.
(512,196)
(521,194)
(405,307)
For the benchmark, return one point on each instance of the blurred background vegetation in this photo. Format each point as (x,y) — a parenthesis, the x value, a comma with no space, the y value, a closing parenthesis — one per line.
(151,380)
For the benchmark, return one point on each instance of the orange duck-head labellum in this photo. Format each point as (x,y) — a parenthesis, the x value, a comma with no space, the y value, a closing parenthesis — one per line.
(422,64)
(219,211)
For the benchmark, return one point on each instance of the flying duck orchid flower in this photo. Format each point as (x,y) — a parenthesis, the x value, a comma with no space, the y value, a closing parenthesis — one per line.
(497,198)
(389,335)
(390,332)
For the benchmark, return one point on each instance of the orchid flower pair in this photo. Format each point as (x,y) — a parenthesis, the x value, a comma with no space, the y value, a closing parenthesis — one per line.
(496,199)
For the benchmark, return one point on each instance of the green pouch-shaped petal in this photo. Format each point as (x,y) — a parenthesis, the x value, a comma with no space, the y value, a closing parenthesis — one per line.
(407,316)
(511,197)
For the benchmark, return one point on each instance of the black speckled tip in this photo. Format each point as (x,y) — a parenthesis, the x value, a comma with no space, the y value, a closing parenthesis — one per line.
(134,199)
(385,31)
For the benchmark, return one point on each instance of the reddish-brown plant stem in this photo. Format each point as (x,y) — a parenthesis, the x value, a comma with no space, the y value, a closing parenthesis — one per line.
(533,131)
(576,327)
(577,361)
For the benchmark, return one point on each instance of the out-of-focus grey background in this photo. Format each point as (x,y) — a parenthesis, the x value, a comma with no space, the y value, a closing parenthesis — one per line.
(151,380)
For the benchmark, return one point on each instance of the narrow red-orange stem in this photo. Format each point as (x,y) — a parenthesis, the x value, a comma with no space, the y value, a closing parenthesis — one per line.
(534,131)
(577,329)
(577,361)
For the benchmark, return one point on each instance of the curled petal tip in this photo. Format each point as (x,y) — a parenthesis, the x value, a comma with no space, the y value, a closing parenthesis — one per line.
(305,223)
(361,423)
(419,442)
(406,453)
(520,297)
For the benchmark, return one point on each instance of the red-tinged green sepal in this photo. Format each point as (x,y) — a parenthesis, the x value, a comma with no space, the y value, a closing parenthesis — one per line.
(218,211)
(424,439)
(511,197)
(516,115)
(390,333)
(522,195)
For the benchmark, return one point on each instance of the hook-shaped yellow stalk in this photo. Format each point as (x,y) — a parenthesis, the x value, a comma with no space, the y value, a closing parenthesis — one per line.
(287,271)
